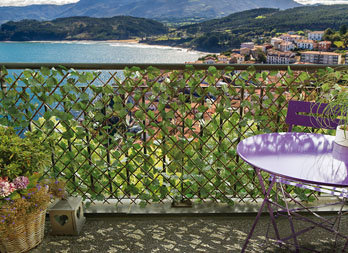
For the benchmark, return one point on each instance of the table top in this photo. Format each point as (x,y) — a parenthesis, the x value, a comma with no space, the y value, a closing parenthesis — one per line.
(305,157)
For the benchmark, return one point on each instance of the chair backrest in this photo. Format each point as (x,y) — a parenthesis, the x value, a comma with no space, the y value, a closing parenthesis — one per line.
(301,113)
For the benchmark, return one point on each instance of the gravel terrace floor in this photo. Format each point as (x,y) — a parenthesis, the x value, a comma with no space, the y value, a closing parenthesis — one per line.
(179,233)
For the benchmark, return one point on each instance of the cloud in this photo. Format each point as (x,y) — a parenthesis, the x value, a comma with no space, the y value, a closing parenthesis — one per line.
(322,1)
(30,2)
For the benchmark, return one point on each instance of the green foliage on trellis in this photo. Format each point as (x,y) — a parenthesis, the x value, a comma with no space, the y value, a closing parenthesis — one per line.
(188,123)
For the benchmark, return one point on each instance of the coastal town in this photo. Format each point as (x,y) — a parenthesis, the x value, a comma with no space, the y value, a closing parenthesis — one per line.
(288,48)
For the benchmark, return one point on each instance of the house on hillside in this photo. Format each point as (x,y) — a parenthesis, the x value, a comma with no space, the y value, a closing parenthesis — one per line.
(324,45)
(291,37)
(256,51)
(276,42)
(260,48)
(249,45)
(305,44)
(210,60)
(237,58)
(223,59)
(286,46)
(245,51)
(320,57)
(286,37)
(277,57)
(267,46)
(316,35)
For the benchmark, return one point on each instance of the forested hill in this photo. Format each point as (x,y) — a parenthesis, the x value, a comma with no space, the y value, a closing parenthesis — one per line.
(81,28)
(215,35)
(230,31)
(154,9)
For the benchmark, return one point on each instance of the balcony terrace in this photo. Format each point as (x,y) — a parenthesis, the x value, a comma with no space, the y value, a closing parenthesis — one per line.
(152,149)
(180,233)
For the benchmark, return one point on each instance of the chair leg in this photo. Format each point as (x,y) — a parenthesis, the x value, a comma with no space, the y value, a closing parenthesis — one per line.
(338,219)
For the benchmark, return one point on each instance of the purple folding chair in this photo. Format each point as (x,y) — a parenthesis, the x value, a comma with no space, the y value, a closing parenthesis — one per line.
(309,114)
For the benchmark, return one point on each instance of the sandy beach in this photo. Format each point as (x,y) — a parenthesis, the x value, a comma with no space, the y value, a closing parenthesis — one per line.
(123,41)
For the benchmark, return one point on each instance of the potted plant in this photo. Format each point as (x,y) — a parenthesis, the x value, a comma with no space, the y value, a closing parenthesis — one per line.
(335,84)
(341,101)
(24,193)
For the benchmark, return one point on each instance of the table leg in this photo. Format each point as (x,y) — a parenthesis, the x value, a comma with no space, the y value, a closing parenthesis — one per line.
(269,205)
(290,219)
(266,194)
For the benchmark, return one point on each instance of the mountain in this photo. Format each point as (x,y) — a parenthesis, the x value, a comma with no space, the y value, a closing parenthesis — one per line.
(214,35)
(228,32)
(167,9)
(37,12)
(81,28)
(154,9)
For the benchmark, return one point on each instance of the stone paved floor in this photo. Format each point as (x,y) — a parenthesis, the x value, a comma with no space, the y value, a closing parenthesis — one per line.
(175,234)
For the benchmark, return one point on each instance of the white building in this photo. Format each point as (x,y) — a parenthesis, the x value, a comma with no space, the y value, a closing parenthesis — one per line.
(291,38)
(277,57)
(305,44)
(249,45)
(286,46)
(317,57)
(276,41)
(237,58)
(316,35)
(223,59)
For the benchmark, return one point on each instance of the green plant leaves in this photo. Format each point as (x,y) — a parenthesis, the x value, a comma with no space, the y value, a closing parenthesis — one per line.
(153,134)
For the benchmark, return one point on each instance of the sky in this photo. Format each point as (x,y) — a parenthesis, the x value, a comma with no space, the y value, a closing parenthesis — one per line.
(322,1)
(28,2)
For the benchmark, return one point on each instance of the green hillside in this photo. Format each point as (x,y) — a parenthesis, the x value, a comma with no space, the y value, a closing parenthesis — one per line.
(164,10)
(215,35)
(81,28)
(230,31)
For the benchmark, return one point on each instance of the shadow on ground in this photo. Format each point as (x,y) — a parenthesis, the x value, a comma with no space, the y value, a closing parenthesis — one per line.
(178,234)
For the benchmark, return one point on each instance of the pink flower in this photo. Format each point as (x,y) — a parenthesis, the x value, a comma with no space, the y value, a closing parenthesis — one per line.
(21,182)
(6,188)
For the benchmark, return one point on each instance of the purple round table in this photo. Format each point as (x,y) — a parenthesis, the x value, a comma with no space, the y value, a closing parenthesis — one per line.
(306,158)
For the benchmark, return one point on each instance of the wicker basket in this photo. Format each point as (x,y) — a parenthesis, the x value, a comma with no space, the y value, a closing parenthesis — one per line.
(26,235)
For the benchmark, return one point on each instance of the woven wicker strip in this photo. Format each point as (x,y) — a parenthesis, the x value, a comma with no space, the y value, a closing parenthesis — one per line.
(25,236)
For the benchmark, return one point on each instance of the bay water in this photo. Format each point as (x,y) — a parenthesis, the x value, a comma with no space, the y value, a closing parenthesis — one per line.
(92,52)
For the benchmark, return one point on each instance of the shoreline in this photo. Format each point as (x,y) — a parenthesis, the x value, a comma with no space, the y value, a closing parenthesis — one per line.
(127,41)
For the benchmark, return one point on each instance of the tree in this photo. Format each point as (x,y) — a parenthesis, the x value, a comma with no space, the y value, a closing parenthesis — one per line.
(328,31)
(261,57)
(345,40)
(343,29)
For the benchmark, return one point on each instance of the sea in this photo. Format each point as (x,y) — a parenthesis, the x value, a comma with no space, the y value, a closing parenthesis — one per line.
(92,52)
